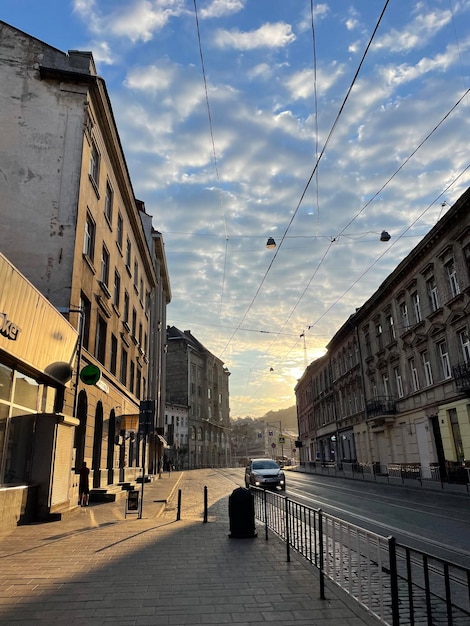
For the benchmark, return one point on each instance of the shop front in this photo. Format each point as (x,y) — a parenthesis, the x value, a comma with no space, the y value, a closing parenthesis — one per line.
(37,352)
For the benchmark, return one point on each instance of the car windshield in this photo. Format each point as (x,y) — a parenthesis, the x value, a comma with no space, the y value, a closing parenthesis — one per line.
(267,464)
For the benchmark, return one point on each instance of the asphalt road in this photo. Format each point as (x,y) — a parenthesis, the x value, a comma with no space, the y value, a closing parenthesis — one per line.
(435,522)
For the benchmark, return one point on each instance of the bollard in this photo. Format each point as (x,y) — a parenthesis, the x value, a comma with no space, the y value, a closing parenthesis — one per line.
(178,510)
(205,505)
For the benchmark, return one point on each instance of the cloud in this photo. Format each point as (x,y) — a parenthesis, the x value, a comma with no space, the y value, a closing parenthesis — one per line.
(275,35)
(416,34)
(137,20)
(220,8)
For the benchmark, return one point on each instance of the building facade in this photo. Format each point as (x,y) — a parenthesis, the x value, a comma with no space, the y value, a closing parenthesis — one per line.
(393,390)
(38,348)
(74,228)
(198,380)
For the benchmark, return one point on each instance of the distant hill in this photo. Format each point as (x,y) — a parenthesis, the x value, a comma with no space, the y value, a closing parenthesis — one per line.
(287,417)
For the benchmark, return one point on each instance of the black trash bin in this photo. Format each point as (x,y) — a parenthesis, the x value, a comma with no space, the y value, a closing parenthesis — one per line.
(241,511)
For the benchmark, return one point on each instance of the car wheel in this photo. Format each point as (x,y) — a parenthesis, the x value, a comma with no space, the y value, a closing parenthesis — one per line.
(283,488)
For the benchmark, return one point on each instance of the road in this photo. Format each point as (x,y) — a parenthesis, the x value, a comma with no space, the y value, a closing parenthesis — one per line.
(435,522)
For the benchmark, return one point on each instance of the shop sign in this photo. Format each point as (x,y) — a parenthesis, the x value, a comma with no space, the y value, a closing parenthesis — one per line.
(8,328)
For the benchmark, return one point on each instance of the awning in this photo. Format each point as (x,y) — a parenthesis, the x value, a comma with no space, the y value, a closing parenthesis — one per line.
(163,441)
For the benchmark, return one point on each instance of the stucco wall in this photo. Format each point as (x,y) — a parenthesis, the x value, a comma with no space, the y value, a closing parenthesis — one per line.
(41,125)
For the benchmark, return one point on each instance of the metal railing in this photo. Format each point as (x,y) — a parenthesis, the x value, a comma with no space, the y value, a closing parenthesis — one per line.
(396,583)
(406,473)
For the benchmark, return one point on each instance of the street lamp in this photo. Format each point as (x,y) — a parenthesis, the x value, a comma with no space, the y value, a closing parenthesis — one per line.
(81,313)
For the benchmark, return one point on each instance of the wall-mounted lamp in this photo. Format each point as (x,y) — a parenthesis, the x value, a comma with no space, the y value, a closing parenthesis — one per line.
(270,243)
(384,236)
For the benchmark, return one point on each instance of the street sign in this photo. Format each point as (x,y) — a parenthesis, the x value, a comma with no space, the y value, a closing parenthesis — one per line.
(282,440)
(273,445)
(146,415)
(90,374)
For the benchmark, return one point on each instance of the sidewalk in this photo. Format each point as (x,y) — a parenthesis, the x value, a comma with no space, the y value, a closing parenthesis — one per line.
(97,566)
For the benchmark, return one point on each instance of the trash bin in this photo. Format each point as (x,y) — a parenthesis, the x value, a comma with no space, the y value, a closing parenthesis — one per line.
(241,511)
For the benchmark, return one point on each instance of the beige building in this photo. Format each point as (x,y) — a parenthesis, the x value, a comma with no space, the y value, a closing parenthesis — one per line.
(74,228)
(392,393)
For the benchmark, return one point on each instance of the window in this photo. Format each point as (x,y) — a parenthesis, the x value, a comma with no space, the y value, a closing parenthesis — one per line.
(444,359)
(140,334)
(398,382)
(128,254)
(404,316)
(95,164)
(465,345)
(391,328)
(85,305)
(466,253)
(134,322)
(385,385)
(100,343)
(113,356)
(117,289)
(368,348)
(119,231)
(414,375)
(416,307)
(108,203)
(426,368)
(138,383)
(141,292)
(89,240)
(125,315)
(378,334)
(433,294)
(123,372)
(105,266)
(132,377)
(136,276)
(454,288)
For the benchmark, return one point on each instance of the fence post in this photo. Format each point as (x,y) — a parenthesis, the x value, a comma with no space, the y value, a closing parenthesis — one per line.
(392,554)
(265,514)
(320,546)
(287,529)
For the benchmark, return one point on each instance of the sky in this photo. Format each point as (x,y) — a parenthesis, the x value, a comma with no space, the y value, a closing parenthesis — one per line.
(319,124)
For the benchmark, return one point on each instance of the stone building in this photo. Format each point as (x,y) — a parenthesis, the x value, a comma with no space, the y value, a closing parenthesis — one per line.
(392,392)
(74,228)
(198,380)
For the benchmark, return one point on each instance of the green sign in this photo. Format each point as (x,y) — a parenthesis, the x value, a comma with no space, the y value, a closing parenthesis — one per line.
(90,374)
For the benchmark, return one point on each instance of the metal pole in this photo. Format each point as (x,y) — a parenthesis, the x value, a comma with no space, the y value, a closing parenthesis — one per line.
(321,554)
(393,581)
(205,505)
(178,510)
(143,473)
(287,529)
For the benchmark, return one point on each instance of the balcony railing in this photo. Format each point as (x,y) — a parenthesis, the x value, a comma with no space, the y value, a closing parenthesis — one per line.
(382,405)
(461,375)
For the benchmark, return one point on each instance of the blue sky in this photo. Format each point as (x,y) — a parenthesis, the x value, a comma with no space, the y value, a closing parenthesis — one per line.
(391,154)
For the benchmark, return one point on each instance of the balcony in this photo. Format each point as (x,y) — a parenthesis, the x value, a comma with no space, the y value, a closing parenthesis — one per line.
(461,374)
(381,407)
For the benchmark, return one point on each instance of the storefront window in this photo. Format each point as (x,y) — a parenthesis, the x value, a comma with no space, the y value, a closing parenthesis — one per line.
(26,391)
(18,449)
(6,379)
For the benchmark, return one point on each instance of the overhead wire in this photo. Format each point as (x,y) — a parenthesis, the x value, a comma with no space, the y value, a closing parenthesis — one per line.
(302,196)
(368,269)
(214,154)
(356,216)
(315,105)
